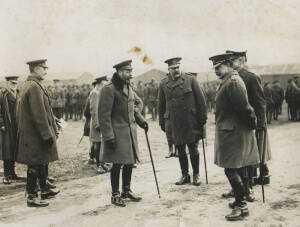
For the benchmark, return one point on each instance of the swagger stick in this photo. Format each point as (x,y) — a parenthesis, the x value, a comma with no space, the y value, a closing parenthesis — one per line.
(204,160)
(152,164)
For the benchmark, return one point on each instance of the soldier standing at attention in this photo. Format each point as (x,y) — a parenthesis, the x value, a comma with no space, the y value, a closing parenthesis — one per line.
(37,133)
(183,101)
(119,109)
(235,142)
(8,128)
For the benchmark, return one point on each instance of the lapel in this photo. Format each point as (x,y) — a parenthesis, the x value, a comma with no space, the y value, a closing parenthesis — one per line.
(174,83)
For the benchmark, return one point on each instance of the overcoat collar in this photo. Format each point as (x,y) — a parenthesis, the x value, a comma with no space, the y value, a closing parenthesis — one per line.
(38,80)
(121,85)
(174,83)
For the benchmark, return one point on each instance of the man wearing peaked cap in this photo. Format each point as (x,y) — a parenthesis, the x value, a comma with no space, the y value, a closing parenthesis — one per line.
(8,128)
(258,102)
(95,132)
(37,133)
(235,142)
(182,113)
(118,113)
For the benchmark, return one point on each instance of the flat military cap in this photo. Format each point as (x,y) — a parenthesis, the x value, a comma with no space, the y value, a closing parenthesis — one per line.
(220,59)
(236,54)
(41,62)
(56,80)
(173,61)
(295,77)
(99,79)
(123,65)
(11,78)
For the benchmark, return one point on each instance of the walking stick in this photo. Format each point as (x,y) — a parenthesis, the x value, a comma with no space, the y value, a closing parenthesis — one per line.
(262,162)
(204,160)
(152,164)
(80,140)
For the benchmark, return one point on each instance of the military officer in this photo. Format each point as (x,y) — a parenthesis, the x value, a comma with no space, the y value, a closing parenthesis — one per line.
(182,101)
(258,102)
(8,128)
(235,143)
(119,111)
(95,132)
(278,96)
(37,133)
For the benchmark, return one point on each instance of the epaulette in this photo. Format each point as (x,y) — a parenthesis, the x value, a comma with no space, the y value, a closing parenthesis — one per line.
(234,77)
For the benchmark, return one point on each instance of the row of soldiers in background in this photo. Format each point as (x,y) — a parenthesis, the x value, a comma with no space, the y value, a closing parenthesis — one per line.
(68,101)
(292,97)
(210,90)
(148,92)
(274,94)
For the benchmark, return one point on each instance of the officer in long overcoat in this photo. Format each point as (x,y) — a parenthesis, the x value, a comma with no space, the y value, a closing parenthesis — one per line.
(37,133)
(118,108)
(182,100)
(95,132)
(258,102)
(235,142)
(8,128)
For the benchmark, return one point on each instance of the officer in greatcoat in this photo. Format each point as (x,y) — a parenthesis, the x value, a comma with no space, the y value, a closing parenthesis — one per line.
(235,142)
(258,102)
(8,128)
(37,133)
(95,132)
(119,111)
(182,101)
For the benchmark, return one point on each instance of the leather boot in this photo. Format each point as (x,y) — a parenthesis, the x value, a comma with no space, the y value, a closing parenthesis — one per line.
(33,201)
(50,185)
(130,195)
(184,179)
(184,165)
(117,200)
(6,167)
(196,180)
(239,212)
(49,193)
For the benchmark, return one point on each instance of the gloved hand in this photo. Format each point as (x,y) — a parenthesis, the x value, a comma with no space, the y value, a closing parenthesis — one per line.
(49,142)
(3,129)
(145,126)
(97,129)
(111,143)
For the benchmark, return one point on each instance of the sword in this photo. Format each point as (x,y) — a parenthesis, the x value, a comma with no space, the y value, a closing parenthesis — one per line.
(152,164)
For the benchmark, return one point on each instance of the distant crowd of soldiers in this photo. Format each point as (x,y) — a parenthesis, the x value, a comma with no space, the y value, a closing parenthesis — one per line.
(292,98)
(275,95)
(68,101)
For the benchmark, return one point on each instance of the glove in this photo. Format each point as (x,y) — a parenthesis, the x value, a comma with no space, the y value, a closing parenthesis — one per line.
(163,127)
(3,129)
(111,143)
(145,126)
(49,142)
(98,129)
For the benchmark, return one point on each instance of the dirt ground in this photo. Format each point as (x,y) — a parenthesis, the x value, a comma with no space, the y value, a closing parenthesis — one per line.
(85,196)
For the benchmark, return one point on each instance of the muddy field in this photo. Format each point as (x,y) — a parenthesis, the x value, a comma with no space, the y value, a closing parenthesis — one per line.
(85,196)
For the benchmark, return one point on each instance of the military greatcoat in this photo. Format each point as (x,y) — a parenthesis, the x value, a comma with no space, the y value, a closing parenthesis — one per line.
(36,124)
(117,105)
(257,100)
(183,102)
(235,142)
(8,102)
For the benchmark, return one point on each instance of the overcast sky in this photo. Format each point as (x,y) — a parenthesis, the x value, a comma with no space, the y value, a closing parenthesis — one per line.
(93,35)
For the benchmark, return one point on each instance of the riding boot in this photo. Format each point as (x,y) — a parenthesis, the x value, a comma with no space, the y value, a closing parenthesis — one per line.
(195,164)
(184,165)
